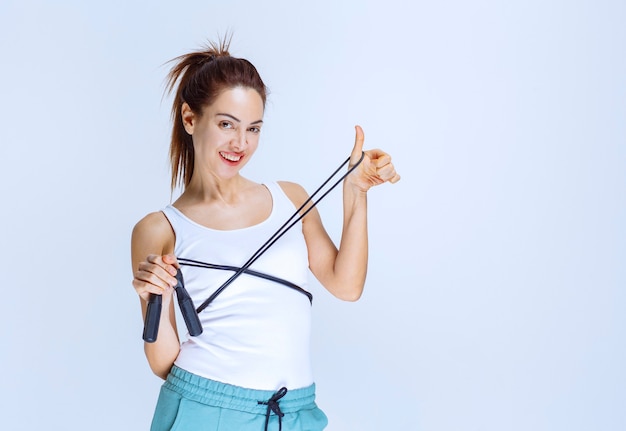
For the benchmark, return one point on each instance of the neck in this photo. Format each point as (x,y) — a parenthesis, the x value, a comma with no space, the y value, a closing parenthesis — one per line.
(212,189)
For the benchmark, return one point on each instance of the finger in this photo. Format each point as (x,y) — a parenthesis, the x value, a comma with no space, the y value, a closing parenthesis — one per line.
(155,274)
(358,145)
(378,157)
(382,159)
(386,173)
(384,167)
(171,260)
(143,288)
(167,262)
(152,281)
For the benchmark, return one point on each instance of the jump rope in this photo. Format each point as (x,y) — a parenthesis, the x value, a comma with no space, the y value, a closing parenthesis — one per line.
(185,303)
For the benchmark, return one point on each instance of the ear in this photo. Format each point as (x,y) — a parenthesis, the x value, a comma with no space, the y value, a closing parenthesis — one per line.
(188,117)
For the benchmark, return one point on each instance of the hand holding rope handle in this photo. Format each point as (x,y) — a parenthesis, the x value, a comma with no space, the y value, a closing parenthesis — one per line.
(187,309)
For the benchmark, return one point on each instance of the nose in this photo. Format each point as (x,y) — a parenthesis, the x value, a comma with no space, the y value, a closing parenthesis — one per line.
(240,141)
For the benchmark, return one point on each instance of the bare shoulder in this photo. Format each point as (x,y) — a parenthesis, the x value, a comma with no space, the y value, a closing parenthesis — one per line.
(295,192)
(154,232)
(153,224)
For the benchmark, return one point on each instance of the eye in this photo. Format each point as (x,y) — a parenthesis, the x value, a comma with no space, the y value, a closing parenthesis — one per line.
(255,129)
(226,125)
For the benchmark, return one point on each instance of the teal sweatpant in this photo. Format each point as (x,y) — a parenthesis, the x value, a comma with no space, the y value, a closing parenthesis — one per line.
(189,402)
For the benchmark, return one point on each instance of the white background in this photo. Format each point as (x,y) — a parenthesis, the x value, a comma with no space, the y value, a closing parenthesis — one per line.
(496,290)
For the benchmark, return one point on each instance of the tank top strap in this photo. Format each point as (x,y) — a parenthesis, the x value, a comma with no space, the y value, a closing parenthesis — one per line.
(175,218)
(283,207)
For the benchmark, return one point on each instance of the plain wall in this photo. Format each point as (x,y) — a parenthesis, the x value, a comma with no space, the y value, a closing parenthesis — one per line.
(495,298)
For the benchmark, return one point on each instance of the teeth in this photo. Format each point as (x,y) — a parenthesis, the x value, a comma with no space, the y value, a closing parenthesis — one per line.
(230,157)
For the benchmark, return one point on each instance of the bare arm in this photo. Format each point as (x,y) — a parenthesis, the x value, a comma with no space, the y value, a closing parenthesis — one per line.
(342,271)
(154,269)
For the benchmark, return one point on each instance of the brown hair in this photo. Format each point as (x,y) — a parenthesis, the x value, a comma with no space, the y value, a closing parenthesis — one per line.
(199,77)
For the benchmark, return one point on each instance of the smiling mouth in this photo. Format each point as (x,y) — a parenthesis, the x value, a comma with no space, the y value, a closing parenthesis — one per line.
(230,157)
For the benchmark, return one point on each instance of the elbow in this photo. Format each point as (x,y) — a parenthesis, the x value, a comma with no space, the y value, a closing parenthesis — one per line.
(160,371)
(352,298)
(347,289)
(352,289)
(161,374)
(352,294)
(160,360)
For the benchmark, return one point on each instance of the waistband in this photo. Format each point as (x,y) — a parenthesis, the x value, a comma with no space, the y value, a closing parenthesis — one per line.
(218,394)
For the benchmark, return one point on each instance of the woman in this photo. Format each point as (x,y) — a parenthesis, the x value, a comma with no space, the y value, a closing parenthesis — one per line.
(250,367)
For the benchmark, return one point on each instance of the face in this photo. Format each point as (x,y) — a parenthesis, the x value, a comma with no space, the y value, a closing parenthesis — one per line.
(227,133)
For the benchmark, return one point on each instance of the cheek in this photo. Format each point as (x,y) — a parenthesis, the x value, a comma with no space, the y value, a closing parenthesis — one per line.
(205,137)
(253,142)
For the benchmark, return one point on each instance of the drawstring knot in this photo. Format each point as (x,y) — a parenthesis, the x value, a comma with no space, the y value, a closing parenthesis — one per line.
(272,406)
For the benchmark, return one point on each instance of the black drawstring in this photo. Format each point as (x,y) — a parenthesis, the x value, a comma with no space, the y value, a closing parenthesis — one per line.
(272,406)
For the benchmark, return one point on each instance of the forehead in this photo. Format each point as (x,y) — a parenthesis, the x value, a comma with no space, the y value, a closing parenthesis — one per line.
(242,102)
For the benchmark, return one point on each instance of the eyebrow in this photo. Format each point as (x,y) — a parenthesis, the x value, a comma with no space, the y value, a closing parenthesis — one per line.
(237,119)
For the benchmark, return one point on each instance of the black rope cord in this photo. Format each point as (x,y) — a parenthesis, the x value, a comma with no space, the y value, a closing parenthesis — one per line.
(283,229)
(272,406)
(196,263)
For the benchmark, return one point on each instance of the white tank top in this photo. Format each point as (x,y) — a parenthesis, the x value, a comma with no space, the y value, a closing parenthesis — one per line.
(256,333)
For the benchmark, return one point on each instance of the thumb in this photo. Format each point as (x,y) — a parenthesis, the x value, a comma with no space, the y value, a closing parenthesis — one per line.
(358,145)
